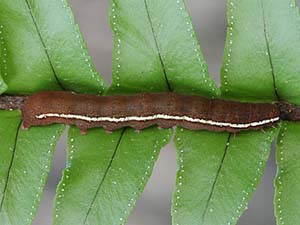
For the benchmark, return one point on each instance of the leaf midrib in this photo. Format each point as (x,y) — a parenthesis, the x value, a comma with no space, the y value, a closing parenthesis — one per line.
(104,176)
(269,51)
(157,46)
(216,178)
(44,45)
(10,166)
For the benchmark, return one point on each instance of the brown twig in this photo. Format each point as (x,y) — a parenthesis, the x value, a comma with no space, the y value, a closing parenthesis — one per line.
(10,102)
(289,111)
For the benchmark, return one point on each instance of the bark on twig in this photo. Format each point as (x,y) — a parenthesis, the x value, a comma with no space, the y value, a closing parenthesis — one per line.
(11,102)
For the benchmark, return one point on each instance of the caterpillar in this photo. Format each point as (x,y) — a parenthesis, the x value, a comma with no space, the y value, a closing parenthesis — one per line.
(147,109)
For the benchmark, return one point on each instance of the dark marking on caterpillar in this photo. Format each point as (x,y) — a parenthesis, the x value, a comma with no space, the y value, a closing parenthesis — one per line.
(147,109)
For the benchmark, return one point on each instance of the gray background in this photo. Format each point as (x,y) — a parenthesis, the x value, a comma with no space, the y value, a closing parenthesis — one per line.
(153,208)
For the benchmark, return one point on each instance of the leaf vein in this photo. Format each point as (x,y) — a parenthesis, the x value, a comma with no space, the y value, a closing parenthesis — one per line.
(10,166)
(104,176)
(44,45)
(216,177)
(157,46)
(269,51)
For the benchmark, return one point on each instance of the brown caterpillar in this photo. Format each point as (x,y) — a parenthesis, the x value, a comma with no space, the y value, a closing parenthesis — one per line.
(146,109)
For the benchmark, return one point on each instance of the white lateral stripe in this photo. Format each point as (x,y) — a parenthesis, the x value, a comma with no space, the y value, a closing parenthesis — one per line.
(158,116)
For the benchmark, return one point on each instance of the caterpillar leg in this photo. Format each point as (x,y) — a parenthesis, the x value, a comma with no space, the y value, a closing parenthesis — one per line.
(25,126)
(83,131)
(108,131)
